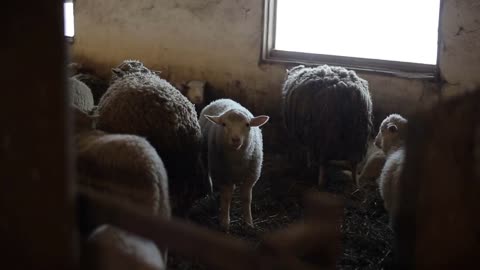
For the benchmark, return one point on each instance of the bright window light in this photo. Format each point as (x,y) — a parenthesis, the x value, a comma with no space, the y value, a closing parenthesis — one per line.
(68,19)
(395,30)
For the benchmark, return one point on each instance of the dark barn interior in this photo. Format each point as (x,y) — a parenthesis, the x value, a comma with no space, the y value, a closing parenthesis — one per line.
(121,144)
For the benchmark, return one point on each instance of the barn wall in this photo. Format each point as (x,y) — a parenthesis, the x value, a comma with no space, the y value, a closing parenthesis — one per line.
(219,41)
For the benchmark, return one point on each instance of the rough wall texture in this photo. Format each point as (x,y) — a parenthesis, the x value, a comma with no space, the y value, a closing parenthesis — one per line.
(460,46)
(219,41)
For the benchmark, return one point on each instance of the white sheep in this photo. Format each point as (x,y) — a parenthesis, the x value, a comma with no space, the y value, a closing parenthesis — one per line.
(109,248)
(235,152)
(371,169)
(391,139)
(194,91)
(80,94)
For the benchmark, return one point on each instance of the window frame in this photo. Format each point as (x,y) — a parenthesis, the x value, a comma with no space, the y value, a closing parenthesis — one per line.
(68,38)
(401,69)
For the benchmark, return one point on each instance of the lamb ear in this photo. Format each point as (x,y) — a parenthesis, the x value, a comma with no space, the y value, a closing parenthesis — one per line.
(392,128)
(214,119)
(259,121)
(117,72)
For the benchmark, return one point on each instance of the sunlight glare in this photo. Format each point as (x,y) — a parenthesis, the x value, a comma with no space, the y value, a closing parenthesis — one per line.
(403,30)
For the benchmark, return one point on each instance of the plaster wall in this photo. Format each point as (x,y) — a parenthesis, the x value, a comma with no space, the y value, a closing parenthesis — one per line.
(220,40)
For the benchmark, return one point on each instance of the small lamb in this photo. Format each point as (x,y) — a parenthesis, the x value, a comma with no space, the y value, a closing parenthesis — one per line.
(194,91)
(235,153)
(391,139)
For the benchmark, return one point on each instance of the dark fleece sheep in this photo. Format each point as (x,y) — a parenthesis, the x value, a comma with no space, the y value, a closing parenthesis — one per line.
(328,109)
(140,102)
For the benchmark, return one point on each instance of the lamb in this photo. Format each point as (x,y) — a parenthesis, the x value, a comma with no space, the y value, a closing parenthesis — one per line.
(194,91)
(139,102)
(328,110)
(391,139)
(127,167)
(235,153)
(109,248)
(80,94)
(374,162)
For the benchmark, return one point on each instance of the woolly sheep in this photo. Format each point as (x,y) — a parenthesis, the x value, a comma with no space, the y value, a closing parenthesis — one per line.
(122,165)
(127,167)
(195,91)
(328,110)
(235,152)
(139,102)
(80,94)
(109,248)
(95,83)
(391,139)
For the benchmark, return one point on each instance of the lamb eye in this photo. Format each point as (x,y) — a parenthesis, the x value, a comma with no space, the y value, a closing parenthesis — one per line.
(247,124)
(223,124)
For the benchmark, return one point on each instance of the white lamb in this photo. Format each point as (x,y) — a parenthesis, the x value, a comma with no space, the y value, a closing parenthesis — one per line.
(235,153)
(391,139)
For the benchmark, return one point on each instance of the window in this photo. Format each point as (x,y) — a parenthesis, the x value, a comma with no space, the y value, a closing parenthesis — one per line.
(69,29)
(394,36)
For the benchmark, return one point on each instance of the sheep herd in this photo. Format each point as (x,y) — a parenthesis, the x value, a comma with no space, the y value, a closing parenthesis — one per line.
(161,147)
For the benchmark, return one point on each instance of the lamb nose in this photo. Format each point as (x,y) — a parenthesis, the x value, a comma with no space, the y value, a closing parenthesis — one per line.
(235,140)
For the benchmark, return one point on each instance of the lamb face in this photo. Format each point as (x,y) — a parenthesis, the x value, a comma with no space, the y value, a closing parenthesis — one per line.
(236,126)
(391,133)
(195,92)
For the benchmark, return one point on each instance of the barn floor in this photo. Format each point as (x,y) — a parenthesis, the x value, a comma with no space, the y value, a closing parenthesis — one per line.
(366,237)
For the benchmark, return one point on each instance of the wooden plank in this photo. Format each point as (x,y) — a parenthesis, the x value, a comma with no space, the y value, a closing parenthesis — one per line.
(36,202)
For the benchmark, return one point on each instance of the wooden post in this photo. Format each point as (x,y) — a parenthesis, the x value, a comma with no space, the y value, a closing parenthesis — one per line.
(36,202)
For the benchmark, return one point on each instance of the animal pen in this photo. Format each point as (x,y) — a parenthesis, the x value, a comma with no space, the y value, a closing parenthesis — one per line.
(44,214)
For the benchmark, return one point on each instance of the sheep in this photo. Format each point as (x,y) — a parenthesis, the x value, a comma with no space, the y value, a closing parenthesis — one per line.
(81,95)
(139,102)
(120,164)
(195,91)
(328,110)
(234,143)
(374,162)
(95,83)
(127,167)
(391,139)
(86,75)
(109,248)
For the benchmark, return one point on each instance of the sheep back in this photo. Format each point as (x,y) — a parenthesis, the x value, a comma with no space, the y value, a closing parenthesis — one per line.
(95,83)
(126,166)
(142,103)
(328,109)
(110,248)
(81,95)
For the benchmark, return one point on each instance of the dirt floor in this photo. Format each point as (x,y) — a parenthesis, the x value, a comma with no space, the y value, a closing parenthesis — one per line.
(366,237)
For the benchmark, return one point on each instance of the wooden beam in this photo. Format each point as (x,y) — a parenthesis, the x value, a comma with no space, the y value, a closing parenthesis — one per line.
(36,202)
